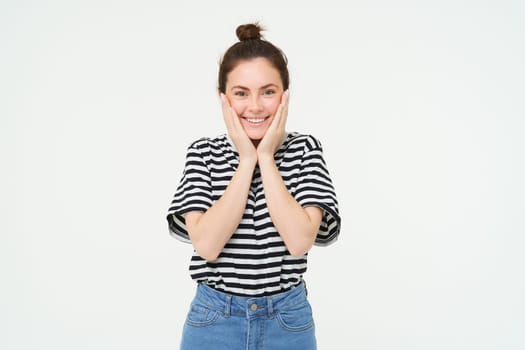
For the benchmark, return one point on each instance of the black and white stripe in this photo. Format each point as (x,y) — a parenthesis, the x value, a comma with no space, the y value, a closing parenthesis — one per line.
(255,262)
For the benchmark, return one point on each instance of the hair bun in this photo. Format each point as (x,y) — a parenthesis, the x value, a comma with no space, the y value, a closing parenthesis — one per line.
(251,31)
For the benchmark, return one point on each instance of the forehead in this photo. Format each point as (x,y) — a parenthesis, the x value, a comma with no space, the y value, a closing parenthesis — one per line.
(254,73)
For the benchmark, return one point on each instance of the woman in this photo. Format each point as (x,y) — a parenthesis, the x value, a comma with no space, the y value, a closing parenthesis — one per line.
(252,203)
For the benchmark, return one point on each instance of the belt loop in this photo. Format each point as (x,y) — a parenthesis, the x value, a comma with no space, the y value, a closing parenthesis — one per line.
(269,302)
(227,306)
(305,289)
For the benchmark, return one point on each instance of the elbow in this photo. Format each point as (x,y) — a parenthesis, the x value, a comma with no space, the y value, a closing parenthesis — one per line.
(207,256)
(207,253)
(298,250)
(300,246)
(297,254)
(204,247)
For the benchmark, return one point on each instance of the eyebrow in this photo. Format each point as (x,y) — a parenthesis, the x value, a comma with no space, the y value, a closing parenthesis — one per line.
(261,88)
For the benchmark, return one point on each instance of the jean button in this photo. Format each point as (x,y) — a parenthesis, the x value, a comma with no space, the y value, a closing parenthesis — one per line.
(253,307)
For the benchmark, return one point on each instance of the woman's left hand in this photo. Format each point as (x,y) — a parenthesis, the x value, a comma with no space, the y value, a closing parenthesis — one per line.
(275,133)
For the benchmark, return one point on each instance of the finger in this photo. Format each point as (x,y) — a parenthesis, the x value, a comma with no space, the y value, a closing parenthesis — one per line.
(235,120)
(276,119)
(227,114)
(233,124)
(284,112)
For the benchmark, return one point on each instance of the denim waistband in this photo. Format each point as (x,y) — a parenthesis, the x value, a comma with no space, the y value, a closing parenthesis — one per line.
(233,305)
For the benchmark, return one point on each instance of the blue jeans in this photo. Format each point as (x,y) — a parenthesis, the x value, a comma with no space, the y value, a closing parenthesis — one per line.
(217,321)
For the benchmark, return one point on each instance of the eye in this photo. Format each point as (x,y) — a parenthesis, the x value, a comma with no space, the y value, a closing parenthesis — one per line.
(269,92)
(239,93)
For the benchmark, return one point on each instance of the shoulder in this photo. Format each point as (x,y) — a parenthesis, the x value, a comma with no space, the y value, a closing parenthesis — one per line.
(297,140)
(210,143)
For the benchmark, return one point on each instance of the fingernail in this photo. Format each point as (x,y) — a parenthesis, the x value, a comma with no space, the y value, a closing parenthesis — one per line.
(223,98)
(287,93)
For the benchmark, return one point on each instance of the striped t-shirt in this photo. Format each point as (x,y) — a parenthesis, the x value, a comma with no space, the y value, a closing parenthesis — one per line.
(255,261)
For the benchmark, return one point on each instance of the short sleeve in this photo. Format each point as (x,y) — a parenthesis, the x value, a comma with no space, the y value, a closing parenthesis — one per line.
(315,188)
(193,193)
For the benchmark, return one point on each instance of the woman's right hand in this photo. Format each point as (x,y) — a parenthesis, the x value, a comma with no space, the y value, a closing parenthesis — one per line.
(244,145)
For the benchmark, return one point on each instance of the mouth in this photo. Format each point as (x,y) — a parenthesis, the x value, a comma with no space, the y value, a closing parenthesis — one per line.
(255,120)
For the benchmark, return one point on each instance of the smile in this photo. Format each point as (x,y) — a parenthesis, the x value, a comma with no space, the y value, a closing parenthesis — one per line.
(256,120)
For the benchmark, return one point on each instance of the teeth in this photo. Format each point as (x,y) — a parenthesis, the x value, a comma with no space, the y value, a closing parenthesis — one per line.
(255,120)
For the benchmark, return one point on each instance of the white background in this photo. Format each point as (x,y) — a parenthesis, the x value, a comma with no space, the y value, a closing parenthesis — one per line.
(420,109)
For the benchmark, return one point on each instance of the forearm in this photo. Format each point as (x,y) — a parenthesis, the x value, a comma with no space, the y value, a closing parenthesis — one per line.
(297,226)
(211,230)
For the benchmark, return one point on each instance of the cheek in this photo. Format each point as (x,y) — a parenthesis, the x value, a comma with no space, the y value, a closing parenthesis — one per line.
(238,107)
(272,105)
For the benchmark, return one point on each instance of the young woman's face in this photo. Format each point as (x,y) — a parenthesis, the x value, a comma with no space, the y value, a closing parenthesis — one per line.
(254,89)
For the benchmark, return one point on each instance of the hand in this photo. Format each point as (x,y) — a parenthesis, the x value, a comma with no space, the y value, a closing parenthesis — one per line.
(275,133)
(236,132)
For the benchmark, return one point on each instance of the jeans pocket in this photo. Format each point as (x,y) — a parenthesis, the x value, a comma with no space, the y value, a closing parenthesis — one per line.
(201,316)
(296,319)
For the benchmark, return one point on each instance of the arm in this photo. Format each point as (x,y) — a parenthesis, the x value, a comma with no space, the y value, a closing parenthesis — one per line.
(297,226)
(209,231)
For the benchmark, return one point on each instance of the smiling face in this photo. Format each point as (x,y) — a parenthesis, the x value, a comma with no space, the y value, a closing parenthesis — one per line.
(254,89)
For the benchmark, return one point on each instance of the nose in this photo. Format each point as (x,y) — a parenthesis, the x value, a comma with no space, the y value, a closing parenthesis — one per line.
(255,103)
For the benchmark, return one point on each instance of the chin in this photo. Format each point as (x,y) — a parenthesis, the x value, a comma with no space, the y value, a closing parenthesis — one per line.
(255,137)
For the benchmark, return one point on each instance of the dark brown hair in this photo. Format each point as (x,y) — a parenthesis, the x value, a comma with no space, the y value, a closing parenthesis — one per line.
(252,45)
